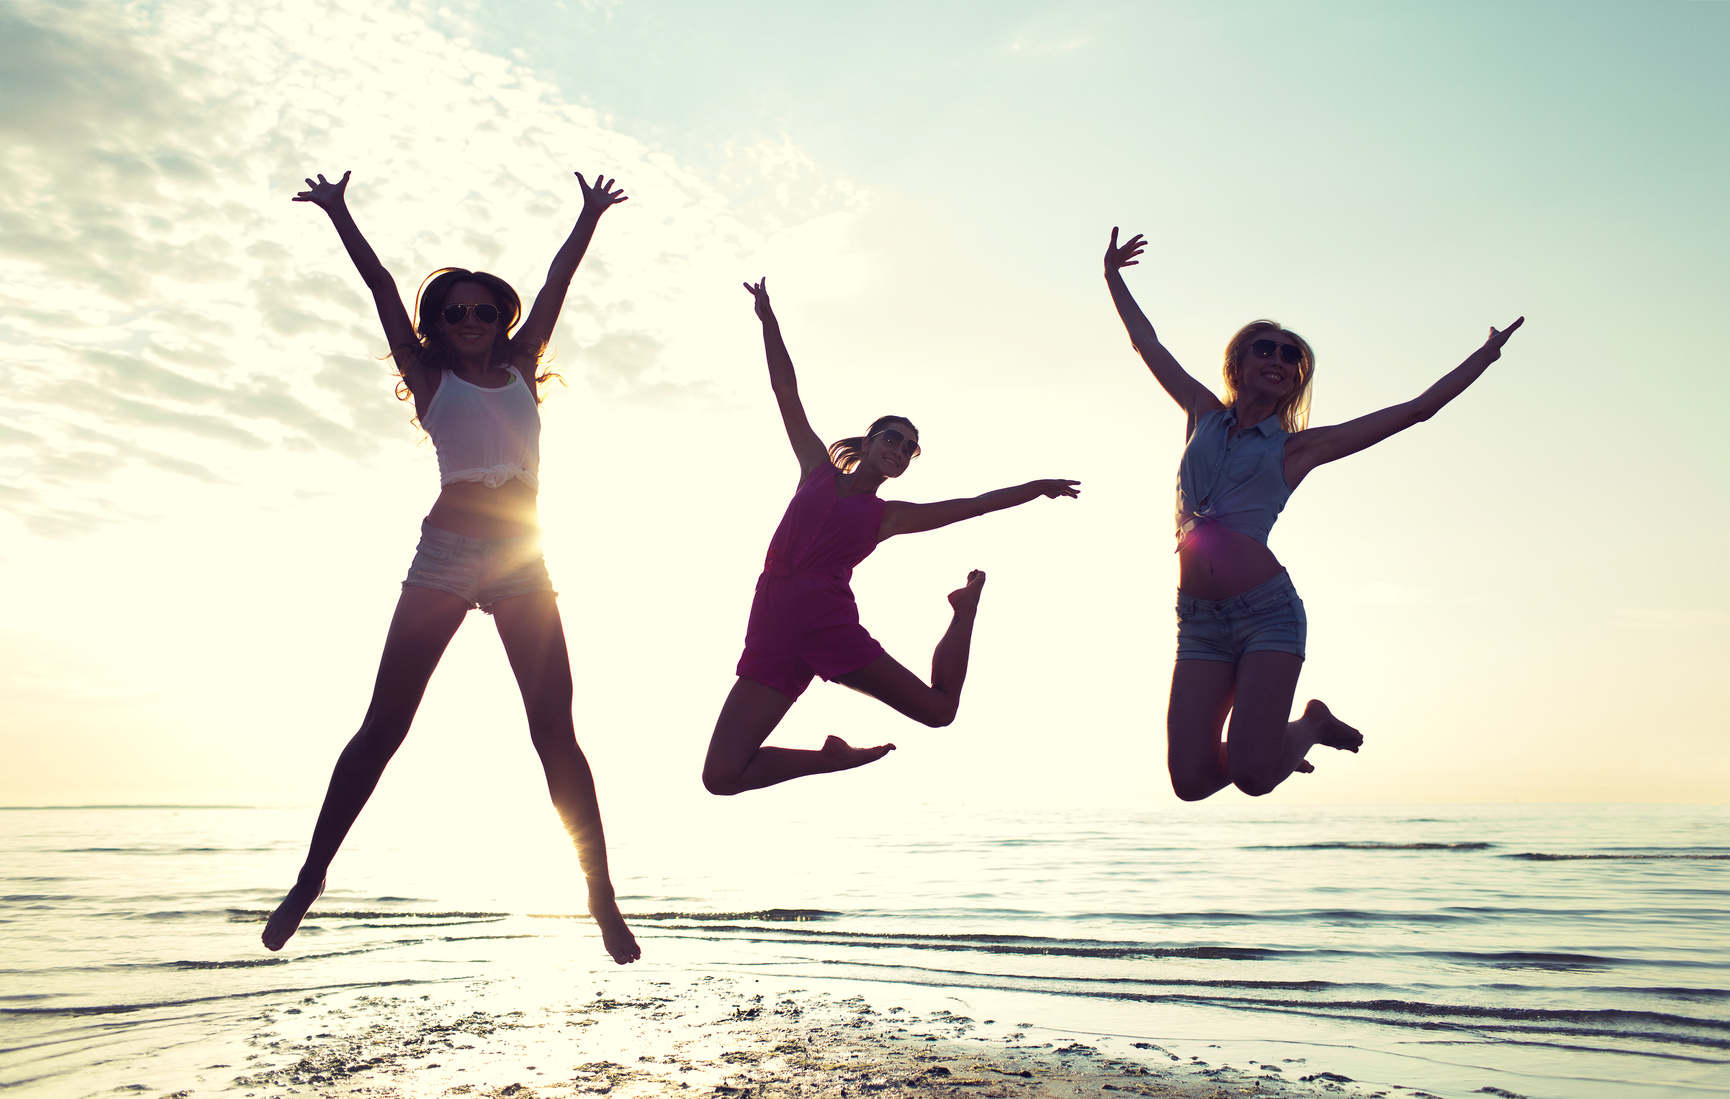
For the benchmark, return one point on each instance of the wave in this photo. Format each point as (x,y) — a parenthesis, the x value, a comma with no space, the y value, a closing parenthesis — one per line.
(78,1010)
(1286,915)
(242,963)
(1667,1028)
(1519,959)
(772,915)
(1540,856)
(139,850)
(260,915)
(1128,950)
(1366,845)
(1566,962)
(997,944)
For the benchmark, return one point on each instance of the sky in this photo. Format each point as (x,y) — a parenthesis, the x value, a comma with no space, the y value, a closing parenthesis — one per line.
(208,494)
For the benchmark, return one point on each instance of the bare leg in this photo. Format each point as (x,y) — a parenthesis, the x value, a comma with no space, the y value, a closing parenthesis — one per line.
(534,639)
(737,760)
(1263,748)
(886,680)
(1201,697)
(424,622)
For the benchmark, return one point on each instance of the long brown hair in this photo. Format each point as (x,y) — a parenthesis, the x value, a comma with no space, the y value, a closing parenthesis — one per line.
(846,453)
(1293,409)
(431,350)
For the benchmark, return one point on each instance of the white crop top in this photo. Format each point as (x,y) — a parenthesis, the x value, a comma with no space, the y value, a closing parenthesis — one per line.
(485,435)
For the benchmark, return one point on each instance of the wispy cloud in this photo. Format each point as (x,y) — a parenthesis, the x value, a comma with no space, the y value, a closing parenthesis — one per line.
(165,307)
(1044,39)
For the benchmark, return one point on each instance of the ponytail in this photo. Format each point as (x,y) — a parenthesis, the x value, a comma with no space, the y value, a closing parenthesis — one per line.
(846,453)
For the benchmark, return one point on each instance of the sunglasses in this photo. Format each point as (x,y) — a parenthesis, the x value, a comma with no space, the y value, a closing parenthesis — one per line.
(1263,349)
(486,314)
(908,447)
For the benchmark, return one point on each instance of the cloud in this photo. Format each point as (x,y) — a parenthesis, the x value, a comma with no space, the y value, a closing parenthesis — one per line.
(622,359)
(1043,39)
(169,312)
(625,363)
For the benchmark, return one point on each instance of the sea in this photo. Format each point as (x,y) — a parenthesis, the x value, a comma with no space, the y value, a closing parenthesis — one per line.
(1569,951)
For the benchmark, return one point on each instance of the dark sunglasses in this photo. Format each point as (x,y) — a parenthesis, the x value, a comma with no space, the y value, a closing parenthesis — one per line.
(1263,349)
(486,314)
(908,447)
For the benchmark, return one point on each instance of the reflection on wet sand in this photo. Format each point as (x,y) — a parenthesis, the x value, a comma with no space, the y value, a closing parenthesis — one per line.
(716,1035)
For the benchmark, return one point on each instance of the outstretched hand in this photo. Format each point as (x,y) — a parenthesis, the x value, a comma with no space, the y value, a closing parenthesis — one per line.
(760,291)
(1493,345)
(1056,487)
(325,194)
(603,196)
(1117,258)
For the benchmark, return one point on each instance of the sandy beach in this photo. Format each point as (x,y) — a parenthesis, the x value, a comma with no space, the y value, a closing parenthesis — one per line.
(635,1034)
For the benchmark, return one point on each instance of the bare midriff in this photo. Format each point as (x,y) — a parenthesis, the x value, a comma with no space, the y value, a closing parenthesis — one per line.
(1217,562)
(473,510)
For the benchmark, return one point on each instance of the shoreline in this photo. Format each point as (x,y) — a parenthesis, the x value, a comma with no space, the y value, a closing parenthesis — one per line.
(712,1034)
(1276,953)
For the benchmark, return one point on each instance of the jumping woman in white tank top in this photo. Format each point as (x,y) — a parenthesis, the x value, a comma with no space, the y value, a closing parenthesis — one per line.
(474,385)
(1241,626)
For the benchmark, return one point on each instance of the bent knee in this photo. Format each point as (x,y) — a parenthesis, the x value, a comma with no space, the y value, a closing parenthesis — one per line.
(935,711)
(723,785)
(1254,785)
(1189,788)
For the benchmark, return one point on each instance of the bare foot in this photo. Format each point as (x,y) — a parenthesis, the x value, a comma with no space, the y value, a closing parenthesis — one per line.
(285,921)
(967,598)
(1304,767)
(845,757)
(615,936)
(1330,730)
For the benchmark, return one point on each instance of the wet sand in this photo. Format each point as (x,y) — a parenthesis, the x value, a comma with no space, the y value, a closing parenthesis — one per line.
(638,1035)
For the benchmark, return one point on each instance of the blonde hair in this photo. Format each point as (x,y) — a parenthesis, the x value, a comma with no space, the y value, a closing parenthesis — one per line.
(1293,409)
(846,453)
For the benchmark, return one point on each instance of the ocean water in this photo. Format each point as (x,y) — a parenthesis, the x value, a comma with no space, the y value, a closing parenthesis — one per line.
(1566,951)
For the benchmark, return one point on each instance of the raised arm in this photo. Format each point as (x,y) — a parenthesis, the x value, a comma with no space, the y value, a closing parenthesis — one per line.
(807,447)
(536,332)
(1193,397)
(900,517)
(1320,445)
(398,329)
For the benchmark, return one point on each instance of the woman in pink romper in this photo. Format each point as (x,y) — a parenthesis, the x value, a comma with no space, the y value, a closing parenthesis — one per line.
(804,621)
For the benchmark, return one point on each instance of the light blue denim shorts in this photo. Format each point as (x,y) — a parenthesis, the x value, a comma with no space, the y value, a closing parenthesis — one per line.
(480,570)
(1267,618)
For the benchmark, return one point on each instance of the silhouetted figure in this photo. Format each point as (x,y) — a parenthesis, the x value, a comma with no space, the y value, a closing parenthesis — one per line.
(475,390)
(804,621)
(1241,625)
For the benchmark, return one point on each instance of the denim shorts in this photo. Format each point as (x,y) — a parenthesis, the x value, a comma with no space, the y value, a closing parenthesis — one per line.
(480,570)
(1267,618)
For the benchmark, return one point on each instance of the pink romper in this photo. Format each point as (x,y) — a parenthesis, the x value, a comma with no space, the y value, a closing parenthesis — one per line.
(804,621)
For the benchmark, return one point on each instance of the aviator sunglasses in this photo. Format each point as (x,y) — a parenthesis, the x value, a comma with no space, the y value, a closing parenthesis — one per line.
(908,447)
(486,314)
(1263,349)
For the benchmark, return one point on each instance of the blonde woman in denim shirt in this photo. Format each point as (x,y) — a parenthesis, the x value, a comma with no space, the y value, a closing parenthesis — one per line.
(1241,625)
